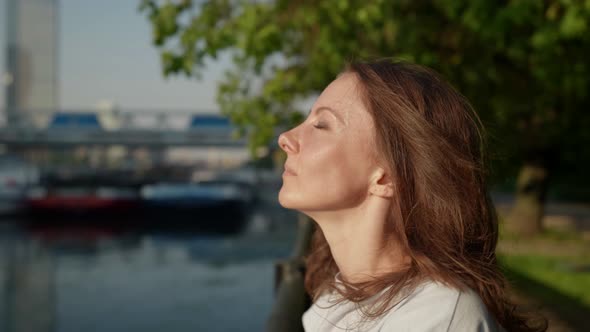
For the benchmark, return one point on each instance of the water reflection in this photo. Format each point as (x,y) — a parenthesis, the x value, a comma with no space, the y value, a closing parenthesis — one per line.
(27,279)
(99,279)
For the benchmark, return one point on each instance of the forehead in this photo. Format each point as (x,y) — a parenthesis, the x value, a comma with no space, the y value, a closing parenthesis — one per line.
(343,92)
(343,96)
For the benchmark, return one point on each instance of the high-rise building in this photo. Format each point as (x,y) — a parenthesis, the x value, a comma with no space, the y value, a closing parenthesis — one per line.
(31,60)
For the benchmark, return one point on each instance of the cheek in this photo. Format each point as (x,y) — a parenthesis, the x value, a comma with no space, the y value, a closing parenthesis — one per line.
(335,165)
(335,172)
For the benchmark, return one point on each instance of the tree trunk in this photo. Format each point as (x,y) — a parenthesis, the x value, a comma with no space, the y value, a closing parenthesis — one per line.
(526,215)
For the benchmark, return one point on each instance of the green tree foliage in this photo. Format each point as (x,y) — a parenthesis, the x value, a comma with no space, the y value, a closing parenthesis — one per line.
(523,63)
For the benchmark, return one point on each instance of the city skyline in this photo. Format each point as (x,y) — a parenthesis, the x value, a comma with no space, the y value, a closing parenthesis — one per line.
(106,57)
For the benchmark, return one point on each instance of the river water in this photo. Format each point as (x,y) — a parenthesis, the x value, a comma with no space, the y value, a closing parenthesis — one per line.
(72,279)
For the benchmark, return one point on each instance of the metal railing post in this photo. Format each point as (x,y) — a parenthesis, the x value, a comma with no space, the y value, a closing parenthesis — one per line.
(291,300)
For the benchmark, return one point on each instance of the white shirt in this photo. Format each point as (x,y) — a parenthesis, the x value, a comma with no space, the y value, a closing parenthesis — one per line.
(431,307)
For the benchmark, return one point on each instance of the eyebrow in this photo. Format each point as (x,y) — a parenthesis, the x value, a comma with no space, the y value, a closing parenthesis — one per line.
(326,108)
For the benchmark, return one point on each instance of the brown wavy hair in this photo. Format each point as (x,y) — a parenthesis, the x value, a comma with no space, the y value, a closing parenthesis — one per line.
(431,140)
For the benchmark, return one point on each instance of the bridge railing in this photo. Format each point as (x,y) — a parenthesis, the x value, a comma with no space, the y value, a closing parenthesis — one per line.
(158,120)
(157,128)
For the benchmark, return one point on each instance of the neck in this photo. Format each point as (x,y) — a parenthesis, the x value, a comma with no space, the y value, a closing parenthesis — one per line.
(358,240)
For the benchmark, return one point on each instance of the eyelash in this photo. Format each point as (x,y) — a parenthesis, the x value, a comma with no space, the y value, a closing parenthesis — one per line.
(320,125)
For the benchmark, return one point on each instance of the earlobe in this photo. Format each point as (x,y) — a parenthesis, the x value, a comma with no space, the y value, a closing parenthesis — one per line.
(385,191)
(382,185)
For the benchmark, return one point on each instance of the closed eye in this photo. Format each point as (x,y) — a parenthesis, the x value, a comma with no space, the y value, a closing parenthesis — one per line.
(320,125)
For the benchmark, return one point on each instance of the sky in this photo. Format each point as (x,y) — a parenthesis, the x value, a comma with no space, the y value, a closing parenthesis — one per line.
(106,54)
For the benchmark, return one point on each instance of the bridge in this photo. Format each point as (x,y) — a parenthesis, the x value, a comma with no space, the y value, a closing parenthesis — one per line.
(154,129)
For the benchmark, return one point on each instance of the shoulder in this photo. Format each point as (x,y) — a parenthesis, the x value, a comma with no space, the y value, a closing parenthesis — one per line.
(471,314)
(434,307)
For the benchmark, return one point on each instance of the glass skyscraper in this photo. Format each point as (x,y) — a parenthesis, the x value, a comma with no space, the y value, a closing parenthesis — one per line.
(31,60)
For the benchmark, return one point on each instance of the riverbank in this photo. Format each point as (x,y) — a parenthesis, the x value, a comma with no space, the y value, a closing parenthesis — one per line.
(550,272)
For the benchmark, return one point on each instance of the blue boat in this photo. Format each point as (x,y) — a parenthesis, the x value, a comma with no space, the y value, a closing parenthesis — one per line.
(209,206)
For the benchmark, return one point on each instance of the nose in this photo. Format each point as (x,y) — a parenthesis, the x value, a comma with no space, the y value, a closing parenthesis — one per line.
(287,142)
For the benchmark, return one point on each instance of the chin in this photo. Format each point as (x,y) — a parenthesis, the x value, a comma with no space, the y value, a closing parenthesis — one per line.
(290,201)
(293,203)
(284,200)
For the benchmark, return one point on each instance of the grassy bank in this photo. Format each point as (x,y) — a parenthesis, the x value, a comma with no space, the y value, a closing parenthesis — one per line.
(552,271)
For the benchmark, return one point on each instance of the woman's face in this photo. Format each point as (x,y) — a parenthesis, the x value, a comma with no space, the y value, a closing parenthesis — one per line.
(330,156)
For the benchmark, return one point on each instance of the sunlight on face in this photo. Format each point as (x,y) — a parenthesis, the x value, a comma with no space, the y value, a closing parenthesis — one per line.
(329,155)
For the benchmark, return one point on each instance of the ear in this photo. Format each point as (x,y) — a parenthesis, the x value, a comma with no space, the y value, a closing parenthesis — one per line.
(381,184)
